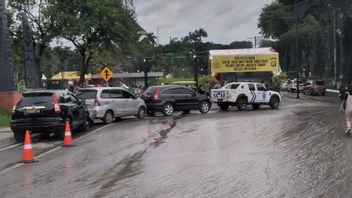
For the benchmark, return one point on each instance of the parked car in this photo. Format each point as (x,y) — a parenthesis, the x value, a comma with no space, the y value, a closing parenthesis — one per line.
(170,98)
(315,87)
(286,85)
(293,87)
(46,112)
(110,103)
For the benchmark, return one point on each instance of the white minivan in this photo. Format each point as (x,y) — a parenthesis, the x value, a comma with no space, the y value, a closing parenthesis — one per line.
(109,103)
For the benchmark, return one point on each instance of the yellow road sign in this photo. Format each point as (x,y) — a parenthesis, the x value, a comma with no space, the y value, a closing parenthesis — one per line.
(106,74)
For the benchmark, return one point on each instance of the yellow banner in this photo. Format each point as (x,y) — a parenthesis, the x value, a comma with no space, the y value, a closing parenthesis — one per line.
(243,63)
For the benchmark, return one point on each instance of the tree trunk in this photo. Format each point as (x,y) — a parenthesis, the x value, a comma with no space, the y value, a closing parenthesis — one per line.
(84,68)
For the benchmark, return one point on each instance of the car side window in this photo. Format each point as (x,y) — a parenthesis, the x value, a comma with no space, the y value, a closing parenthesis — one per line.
(127,94)
(105,94)
(116,94)
(251,87)
(260,87)
(170,91)
(185,91)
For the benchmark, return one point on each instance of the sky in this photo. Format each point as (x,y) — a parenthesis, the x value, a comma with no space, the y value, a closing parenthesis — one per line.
(224,20)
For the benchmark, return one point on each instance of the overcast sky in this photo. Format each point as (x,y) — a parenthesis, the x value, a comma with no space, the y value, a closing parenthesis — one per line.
(224,20)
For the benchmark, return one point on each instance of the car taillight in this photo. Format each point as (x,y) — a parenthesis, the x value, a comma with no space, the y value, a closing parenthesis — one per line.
(96,102)
(157,94)
(56,104)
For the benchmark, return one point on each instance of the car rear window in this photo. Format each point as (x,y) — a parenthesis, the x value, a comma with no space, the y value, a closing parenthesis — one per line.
(150,90)
(87,94)
(36,99)
(319,82)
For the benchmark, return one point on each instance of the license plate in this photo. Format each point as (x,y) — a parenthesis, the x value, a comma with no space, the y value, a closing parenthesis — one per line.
(32,110)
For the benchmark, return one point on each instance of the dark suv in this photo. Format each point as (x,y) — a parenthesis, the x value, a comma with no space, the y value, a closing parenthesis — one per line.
(167,99)
(46,112)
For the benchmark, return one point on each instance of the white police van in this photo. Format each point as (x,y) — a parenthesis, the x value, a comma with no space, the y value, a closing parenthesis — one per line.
(241,94)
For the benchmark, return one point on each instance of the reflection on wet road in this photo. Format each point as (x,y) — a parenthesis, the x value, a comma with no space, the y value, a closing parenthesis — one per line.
(297,151)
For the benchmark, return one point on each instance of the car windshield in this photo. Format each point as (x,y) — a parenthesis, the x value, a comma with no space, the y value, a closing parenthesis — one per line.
(87,94)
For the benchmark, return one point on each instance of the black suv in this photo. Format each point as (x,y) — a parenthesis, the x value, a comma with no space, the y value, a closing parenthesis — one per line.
(46,112)
(167,99)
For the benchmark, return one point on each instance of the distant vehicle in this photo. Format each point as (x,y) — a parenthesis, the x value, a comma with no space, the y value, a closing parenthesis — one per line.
(293,86)
(286,85)
(170,98)
(109,103)
(240,94)
(46,112)
(315,87)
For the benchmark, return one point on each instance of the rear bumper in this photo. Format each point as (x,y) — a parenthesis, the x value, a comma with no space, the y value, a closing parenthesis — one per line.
(38,126)
(155,108)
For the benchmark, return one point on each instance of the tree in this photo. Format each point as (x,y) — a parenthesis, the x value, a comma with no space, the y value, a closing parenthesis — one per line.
(92,26)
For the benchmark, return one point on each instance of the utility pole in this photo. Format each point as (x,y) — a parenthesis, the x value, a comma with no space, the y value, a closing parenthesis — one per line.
(296,48)
(195,67)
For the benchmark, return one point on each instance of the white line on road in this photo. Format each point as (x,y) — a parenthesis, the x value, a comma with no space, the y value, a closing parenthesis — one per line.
(49,151)
(5,148)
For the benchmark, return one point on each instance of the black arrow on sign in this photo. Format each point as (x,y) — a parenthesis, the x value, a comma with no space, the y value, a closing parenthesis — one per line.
(106,74)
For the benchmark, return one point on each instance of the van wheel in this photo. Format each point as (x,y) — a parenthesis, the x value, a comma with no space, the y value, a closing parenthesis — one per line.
(274,102)
(141,113)
(108,117)
(85,126)
(241,104)
(19,136)
(168,109)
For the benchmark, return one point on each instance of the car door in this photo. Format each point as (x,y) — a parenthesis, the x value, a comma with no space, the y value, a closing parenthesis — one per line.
(118,102)
(261,94)
(73,106)
(130,102)
(253,93)
(185,98)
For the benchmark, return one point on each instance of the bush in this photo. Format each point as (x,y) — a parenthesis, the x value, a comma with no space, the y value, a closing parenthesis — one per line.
(5,118)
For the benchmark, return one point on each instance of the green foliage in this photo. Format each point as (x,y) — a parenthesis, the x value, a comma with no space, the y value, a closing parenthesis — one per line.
(5,118)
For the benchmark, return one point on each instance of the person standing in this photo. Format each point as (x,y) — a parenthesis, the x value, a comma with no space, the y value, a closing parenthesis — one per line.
(342,92)
(348,110)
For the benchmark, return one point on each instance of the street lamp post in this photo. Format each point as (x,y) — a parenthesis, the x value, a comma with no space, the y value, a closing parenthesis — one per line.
(195,68)
(145,70)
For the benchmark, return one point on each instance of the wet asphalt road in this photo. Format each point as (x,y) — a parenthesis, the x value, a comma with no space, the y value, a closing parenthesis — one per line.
(299,150)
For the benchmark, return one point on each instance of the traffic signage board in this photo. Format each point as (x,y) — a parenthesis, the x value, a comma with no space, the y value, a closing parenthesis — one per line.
(106,74)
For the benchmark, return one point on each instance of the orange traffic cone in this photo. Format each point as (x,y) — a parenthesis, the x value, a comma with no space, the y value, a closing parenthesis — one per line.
(68,137)
(27,156)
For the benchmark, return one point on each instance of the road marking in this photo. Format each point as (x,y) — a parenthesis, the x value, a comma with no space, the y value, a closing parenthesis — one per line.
(5,148)
(49,151)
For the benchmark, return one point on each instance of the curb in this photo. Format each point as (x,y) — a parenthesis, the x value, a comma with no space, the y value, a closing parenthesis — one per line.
(332,91)
(7,142)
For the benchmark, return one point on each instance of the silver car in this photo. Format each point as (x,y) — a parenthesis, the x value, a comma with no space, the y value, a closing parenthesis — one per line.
(109,103)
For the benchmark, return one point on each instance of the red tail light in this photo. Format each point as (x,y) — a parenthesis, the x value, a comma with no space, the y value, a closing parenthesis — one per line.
(157,94)
(96,102)
(56,103)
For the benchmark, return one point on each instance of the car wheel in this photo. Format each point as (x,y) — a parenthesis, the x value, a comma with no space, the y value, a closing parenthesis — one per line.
(108,117)
(19,136)
(141,113)
(168,109)
(85,126)
(224,107)
(241,104)
(204,107)
(255,106)
(274,102)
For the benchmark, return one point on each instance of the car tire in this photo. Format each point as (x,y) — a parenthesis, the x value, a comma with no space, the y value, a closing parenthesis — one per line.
(204,107)
(255,106)
(168,109)
(85,126)
(108,117)
(274,102)
(141,113)
(19,136)
(241,104)
(224,107)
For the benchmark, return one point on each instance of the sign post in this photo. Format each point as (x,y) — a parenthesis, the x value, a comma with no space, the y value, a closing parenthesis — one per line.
(106,74)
